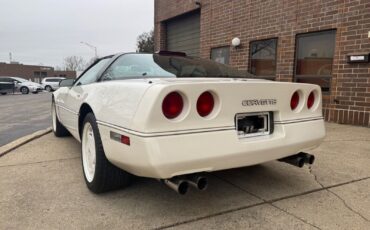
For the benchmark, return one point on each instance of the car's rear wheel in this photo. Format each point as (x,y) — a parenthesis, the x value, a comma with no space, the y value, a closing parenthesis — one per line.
(100,175)
(4,93)
(24,90)
(58,129)
(48,88)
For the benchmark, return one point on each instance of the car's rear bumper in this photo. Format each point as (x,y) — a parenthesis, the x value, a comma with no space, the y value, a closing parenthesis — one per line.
(36,89)
(172,155)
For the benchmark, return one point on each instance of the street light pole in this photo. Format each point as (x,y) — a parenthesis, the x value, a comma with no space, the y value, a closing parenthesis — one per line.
(92,47)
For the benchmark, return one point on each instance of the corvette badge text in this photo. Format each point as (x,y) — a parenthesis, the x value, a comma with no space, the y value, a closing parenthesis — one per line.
(257,102)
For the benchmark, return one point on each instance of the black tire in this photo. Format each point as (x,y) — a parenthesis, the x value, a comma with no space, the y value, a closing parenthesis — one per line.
(4,93)
(48,88)
(24,90)
(106,176)
(58,129)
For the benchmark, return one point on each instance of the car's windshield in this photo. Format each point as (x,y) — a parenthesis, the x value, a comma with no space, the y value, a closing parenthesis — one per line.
(162,66)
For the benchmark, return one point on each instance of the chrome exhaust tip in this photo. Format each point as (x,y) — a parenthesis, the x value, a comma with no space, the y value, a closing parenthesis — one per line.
(299,159)
(294,160)
(198,181)
(178,185)
(309,159)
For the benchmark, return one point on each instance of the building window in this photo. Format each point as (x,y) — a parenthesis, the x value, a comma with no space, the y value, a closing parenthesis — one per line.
(314,58)
(262,58)
(221,55)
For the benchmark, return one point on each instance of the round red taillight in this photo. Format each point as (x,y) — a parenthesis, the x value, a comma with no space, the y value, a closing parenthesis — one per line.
(172,105)
(311,100)
(294,101)
(205,104)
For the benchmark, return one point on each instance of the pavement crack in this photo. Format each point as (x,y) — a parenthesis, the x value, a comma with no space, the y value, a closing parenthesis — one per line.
(295,216)
(336,195)
(270,202)
(347,206)
(209,216)
(315,177)
(240,188)
(39,162)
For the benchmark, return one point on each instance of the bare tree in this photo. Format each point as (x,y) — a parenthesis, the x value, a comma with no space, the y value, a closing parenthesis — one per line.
(145,42)
(91,61)
(74,63)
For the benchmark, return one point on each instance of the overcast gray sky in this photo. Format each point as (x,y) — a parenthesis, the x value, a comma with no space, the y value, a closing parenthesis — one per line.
(47,31)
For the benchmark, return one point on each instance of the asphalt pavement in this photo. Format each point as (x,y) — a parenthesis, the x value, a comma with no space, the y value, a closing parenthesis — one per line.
(42,187)
(21,115)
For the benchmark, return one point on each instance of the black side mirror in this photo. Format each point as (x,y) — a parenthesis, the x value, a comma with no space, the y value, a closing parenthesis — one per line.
(66,83)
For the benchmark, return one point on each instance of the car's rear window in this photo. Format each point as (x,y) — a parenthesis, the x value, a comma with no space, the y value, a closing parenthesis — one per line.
(161,66)
(53,80)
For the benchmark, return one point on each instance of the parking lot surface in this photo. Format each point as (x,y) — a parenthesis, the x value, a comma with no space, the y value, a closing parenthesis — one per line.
(23,114)
(42,187)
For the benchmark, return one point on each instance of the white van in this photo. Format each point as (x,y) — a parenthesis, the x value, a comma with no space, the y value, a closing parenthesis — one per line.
(51,83)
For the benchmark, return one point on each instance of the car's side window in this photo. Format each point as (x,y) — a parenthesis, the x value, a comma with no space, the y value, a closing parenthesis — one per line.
(91,75)
(6,80)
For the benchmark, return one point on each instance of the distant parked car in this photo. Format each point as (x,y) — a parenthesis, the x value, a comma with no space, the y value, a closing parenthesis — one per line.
(6,86)
(22,85)
(51,83)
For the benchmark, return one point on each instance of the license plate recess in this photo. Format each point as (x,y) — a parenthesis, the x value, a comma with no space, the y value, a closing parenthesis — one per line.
(254,124)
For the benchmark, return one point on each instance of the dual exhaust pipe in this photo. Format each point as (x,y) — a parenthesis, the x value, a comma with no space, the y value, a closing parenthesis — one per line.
(181,184)
(299,159)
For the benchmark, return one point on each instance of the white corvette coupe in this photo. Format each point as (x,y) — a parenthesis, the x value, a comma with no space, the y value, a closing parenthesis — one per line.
(175,118)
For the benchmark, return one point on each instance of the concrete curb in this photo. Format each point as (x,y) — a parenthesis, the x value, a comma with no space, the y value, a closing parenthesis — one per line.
(23,140)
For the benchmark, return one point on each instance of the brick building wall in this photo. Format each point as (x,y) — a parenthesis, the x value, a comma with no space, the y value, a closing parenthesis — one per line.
(221,20)
(33,72)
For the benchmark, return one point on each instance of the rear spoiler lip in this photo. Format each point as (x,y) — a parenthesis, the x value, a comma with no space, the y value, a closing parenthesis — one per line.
(171,53)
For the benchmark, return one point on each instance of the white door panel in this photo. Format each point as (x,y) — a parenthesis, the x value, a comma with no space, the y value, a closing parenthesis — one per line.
(74,100)
(60,100)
